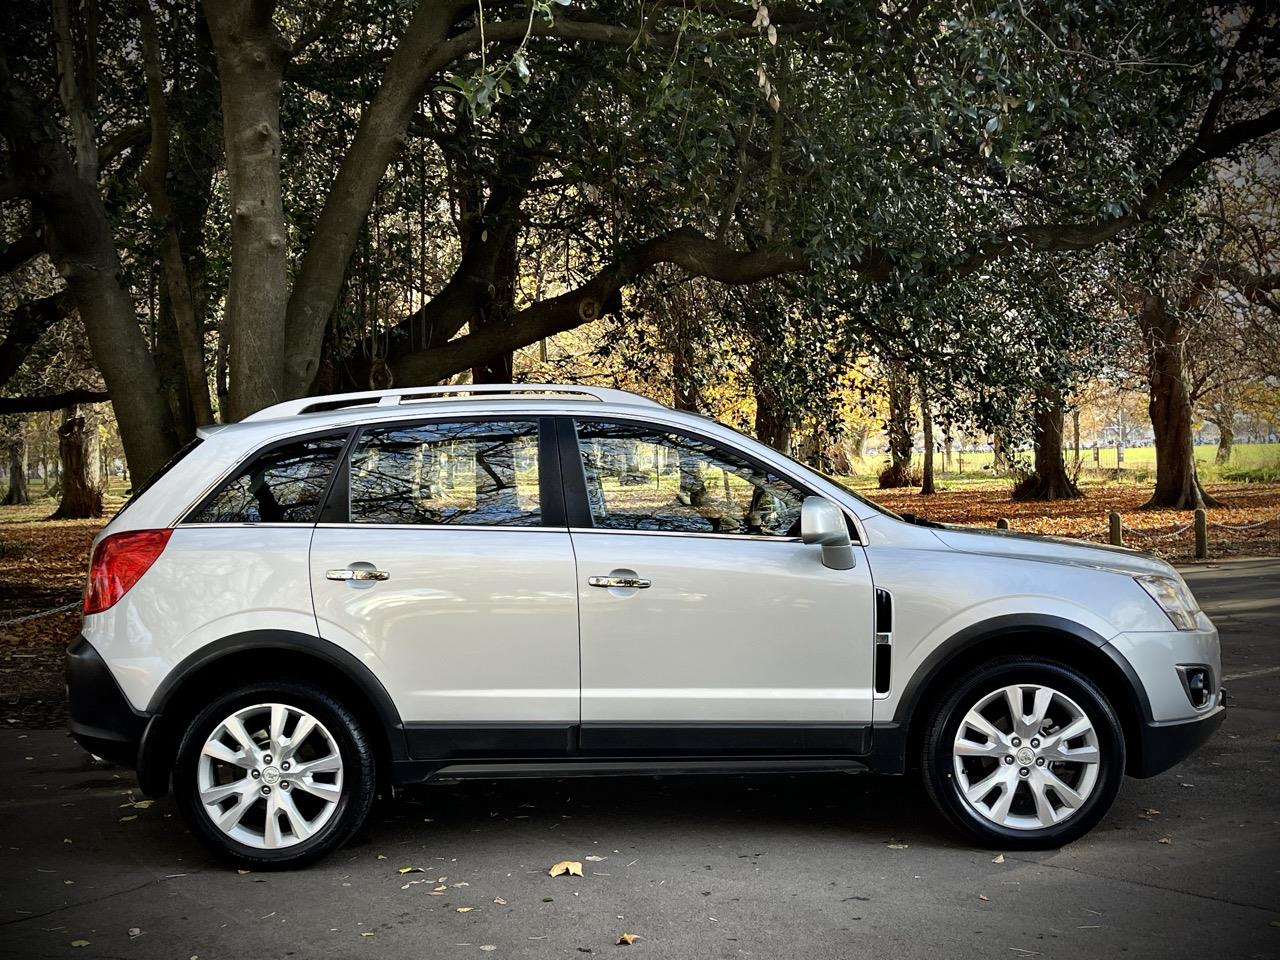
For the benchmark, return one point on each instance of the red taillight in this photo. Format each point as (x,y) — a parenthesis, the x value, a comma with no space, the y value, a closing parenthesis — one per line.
(118,563)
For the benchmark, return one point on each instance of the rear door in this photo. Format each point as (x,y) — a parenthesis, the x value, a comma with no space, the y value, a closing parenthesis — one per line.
(707,626)
(447,558)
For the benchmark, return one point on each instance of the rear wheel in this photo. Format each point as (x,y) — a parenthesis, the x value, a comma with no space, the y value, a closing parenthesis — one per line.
(275,775)
(1024,754)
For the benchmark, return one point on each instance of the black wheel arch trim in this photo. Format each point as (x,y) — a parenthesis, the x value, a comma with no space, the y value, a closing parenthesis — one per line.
(1009,625)
(323,650)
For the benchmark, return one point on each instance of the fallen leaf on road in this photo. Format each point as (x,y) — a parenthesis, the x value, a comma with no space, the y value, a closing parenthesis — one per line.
(410,870)
(365,933)
(79,943)
(464,909)
(127,819)
(594,859)
(983,896)
(499,901)
(143,804)
(242,872)
(571,867)
(999,858)
(896,844)
(135,931)
(382,856)
(488,947)
(627,939)
(1164,840)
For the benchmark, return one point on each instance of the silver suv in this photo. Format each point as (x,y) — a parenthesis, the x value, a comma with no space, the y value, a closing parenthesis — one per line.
(345,594)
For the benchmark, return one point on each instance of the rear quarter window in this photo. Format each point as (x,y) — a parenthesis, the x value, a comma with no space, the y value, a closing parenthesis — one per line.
(284,484)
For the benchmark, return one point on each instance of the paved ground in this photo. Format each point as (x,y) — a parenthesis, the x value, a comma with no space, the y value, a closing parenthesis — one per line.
(811,867)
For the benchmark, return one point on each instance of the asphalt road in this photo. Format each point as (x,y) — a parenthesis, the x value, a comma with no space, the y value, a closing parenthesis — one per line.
(813,867)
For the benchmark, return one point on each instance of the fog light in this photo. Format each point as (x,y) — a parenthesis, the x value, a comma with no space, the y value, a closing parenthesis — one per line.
(1197,681)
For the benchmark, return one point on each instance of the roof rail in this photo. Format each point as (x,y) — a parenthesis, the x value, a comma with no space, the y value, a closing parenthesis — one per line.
(397,396)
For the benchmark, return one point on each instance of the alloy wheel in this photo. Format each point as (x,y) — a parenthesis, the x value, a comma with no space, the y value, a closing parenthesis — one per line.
(270,776)
(1026,757)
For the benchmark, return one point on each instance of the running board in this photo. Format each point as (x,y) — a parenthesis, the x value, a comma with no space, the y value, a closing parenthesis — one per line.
(641,768)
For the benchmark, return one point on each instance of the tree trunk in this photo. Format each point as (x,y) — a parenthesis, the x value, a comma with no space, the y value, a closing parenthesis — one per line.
(251,57)
(78,236)
(500,368)
(1177,483)
(926,417)
(1226,437)
(18,493)
(379,136)
(1050,481)
(859,441)
(81,468)
(1075,433)
(177,283)
(999,453)
(900,428)
(948,442)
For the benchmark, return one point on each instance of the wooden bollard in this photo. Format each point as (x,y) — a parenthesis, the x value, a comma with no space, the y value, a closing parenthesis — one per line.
(1117,537)
(1202,535)
(1002,523)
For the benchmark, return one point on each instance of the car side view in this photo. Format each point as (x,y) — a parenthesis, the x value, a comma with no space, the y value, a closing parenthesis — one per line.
(345,594)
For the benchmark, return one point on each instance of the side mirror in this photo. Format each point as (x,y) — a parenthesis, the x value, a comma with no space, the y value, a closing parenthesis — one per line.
(822,523)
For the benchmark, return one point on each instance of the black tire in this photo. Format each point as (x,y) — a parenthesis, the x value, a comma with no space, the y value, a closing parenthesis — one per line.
(937,764)
(358,774)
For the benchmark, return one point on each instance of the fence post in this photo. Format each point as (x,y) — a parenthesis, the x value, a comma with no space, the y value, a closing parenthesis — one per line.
(1002,523)
(1117,540)
(1202,535)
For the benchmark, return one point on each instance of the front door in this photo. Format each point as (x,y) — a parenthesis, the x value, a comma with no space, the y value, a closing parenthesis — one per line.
(453,569)
(707,627)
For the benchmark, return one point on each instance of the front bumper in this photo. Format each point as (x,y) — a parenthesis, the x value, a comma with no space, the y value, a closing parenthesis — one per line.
(1164,744)
(102,721)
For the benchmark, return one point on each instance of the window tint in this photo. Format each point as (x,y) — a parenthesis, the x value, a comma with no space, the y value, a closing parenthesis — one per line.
(639,478)
(448,473)
(283,485)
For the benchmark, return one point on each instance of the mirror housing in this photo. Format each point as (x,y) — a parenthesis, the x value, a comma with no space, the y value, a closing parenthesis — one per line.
(823,523)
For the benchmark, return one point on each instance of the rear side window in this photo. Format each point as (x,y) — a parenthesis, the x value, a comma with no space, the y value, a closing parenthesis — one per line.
(283,485)
(474,473)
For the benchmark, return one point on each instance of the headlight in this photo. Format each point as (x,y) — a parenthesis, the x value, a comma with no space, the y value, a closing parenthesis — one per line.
(1174,599)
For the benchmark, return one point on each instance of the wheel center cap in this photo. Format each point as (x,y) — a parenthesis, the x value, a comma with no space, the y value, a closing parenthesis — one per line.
(1026,756)
(270,776)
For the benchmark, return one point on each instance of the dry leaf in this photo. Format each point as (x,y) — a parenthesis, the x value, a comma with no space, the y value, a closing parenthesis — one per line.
(365,933)
(464,909)
(499,901)
(135,931)
(984,897)
(143,804)
(626,939)
(410,869)
(999,858)
(79,943)
(242,872)
(382,856)
(571,867)
(1164,840)
(896,844)
(594,859)
(488,947)
(127,819)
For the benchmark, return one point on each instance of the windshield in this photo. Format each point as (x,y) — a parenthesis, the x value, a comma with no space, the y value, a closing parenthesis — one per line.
(857,496)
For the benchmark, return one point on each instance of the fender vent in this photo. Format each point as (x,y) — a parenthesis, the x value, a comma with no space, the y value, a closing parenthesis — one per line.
(883,670)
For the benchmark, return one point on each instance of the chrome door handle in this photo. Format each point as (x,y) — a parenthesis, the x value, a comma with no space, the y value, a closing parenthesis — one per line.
(638,583)
(347,573)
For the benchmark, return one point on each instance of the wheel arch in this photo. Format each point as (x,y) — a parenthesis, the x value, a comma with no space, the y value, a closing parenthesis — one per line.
(1053,638)
(259,655)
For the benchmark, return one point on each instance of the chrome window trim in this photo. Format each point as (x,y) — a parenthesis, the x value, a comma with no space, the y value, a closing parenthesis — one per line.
(683,533)
(355,525)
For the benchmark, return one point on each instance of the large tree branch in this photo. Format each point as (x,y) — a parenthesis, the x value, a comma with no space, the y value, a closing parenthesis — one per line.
(684,247)
(1051,237)
(53,401)
(28,322)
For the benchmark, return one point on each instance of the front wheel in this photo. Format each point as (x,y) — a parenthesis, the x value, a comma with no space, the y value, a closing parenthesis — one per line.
(274,775)
(1024,754)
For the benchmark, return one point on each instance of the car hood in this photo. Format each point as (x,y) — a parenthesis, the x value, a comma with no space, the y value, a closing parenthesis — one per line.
(1026,546)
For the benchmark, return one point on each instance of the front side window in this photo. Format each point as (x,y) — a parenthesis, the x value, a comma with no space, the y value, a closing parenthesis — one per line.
(469,473)
(283,485)
(646,478)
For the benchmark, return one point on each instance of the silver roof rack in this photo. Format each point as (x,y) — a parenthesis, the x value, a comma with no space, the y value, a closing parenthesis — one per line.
(468,391)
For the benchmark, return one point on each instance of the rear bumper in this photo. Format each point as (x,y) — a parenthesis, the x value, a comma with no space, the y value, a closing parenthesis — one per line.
(102,721)
(1166,744)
